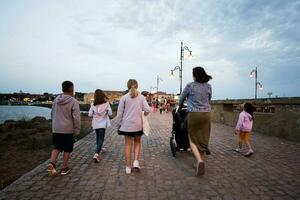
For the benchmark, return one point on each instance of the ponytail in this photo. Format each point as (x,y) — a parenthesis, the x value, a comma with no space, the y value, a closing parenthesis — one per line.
(132,86)
(133,92)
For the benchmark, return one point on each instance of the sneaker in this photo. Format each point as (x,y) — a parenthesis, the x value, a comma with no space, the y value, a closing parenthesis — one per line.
(128,170)
(96,158)
(250,153)
(51,168)
(200,168)
(136,166)
(237,150)
(65,171)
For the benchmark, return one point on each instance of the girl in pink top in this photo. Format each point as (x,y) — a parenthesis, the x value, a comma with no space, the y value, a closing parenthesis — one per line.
(244,127)
(129,118)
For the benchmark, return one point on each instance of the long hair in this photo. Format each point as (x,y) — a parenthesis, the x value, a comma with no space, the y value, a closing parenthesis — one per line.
(132,86)
(249,108)
(99,97)
(200,75)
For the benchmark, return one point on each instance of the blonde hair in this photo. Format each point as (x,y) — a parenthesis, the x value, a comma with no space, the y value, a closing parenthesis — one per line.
(132,86)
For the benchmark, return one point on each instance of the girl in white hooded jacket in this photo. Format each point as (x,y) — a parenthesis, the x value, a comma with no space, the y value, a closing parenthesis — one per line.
(100,111)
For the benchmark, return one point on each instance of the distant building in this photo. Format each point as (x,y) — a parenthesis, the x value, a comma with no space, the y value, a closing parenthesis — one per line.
(113,96)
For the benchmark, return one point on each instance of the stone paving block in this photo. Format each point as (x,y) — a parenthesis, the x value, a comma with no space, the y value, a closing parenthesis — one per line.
(271,173)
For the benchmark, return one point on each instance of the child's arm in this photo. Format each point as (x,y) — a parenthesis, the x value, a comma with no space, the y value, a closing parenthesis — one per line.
(109,111)
(146,107)
(91,112)
(239,123)
(76,118)
(120,111)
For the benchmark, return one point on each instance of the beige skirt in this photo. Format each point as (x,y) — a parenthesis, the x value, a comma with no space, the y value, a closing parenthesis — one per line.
(199,129)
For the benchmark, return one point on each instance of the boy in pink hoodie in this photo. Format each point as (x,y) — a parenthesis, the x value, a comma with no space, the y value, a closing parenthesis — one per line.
(244,128)
(66,122)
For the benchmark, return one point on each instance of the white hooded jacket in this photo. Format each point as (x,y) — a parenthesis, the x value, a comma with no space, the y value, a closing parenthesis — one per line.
(100,114)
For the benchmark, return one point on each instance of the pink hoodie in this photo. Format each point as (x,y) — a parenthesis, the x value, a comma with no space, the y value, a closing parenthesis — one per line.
(245,122)
(65,115)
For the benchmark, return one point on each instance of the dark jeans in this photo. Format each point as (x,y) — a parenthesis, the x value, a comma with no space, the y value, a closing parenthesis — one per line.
(100,133)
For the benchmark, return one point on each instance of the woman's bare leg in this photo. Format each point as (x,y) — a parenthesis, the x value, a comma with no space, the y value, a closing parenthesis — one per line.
(127,150)
(137,147)
(198,155)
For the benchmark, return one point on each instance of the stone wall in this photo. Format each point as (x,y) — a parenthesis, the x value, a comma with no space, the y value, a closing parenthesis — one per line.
(276,117)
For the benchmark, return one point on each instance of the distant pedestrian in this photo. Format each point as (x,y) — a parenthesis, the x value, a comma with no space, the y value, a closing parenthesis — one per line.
(66,122)
(198,94)
(129,117)
(100,111)
(244,127)
(161,108)
(153,105)
(168,105)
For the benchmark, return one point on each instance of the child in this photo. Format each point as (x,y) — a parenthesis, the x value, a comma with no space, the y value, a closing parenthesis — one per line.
(100,111)
(244,127)
(66,121)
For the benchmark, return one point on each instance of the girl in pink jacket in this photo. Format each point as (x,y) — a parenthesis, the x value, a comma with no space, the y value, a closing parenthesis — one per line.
(244,127)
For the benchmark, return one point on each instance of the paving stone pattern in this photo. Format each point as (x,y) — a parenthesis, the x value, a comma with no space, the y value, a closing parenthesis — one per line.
(272,173)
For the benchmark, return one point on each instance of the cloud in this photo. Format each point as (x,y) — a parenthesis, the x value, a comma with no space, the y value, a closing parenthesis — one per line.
(100,44)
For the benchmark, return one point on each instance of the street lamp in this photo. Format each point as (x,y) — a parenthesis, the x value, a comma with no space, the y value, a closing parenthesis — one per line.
(158,79)
(182,49)
(258,85)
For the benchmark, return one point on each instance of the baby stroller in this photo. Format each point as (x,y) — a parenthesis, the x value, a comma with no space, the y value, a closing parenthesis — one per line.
(179,139)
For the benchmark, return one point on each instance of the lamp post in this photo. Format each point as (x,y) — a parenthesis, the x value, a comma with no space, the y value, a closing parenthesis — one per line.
(182,48)
(258,85)
(158,79)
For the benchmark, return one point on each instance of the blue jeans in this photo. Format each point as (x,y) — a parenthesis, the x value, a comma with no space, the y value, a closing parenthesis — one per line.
(100,133)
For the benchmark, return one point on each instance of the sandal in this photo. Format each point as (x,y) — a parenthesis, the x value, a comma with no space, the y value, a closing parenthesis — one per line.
(51,168)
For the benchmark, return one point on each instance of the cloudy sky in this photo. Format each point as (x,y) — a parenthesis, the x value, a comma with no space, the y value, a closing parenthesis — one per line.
(101,44)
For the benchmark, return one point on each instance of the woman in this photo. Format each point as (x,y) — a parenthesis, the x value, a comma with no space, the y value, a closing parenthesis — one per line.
(198,94)
(129,117)
(100,111)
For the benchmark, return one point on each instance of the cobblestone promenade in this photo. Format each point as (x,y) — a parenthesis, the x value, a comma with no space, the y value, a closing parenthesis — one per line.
(272,173)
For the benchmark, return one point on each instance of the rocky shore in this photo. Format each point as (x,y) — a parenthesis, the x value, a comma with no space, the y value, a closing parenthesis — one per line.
(26,144)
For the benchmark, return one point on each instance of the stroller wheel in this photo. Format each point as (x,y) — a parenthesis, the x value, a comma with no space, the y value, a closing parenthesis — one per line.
(173,146)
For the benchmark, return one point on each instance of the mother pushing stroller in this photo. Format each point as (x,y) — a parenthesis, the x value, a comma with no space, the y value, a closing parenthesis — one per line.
(198,94)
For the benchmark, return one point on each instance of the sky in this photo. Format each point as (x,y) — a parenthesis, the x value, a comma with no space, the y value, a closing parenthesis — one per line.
(102,44)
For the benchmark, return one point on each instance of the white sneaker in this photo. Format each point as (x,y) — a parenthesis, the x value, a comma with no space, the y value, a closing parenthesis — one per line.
(128,170)
(136,164)
(96,158)
(237,150)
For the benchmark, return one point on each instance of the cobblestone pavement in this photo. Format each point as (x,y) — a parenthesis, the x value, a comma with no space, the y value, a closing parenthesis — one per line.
(272,173)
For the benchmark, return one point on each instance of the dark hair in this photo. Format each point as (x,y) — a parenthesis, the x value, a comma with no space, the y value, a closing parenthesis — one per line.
(249,108)
(200,75)
(66,85)
(99,97)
